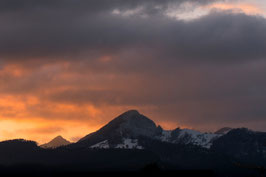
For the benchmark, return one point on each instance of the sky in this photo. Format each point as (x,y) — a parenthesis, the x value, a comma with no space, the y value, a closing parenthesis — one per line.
(68,67)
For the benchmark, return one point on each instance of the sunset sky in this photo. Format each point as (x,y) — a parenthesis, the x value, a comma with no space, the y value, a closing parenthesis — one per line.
(67,67)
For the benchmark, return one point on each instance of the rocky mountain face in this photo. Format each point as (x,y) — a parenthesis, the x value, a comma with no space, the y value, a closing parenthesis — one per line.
(56,142)
(122,131)
(225,151)
(125,131)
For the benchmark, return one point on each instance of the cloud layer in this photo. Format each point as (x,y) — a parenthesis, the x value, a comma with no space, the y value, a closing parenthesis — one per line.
(87,61)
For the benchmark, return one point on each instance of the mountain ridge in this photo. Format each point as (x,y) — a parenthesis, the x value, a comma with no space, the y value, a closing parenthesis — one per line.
(127,128)
(116,146)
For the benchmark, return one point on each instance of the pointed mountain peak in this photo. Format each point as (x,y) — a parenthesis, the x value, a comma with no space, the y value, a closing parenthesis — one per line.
(56,142)
(134,118)
(58,137)
(131,112)
(130,124)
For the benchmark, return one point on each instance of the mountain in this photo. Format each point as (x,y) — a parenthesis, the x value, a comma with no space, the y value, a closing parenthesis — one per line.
(19,145)
(188,136)
(17,151)
(126,130)
(132,141)
(242,144)
(227,151)
(56,142)
(24,158)
(122,131)
(223,131)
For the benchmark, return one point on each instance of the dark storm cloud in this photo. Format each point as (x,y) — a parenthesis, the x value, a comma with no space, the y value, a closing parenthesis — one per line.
(216,94)
(211,69)
(92,5)
(53,29)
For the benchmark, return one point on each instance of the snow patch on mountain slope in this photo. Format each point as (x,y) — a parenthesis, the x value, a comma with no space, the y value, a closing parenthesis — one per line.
(188,136)
(129,144)
(198,138)
(185,136)
(166,135)
(101,145)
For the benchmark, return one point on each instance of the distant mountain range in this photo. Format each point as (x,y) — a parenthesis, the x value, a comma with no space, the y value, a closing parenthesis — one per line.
(131,141)
(124,131)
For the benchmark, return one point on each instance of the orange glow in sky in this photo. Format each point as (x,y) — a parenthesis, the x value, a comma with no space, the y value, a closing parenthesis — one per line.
(247,8)
(52,95)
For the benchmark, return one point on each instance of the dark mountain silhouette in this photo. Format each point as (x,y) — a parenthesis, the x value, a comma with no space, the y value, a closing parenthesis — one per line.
(56,142)
(126,130)
(244,145)
(133,143)
(223,130)
(130,124)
